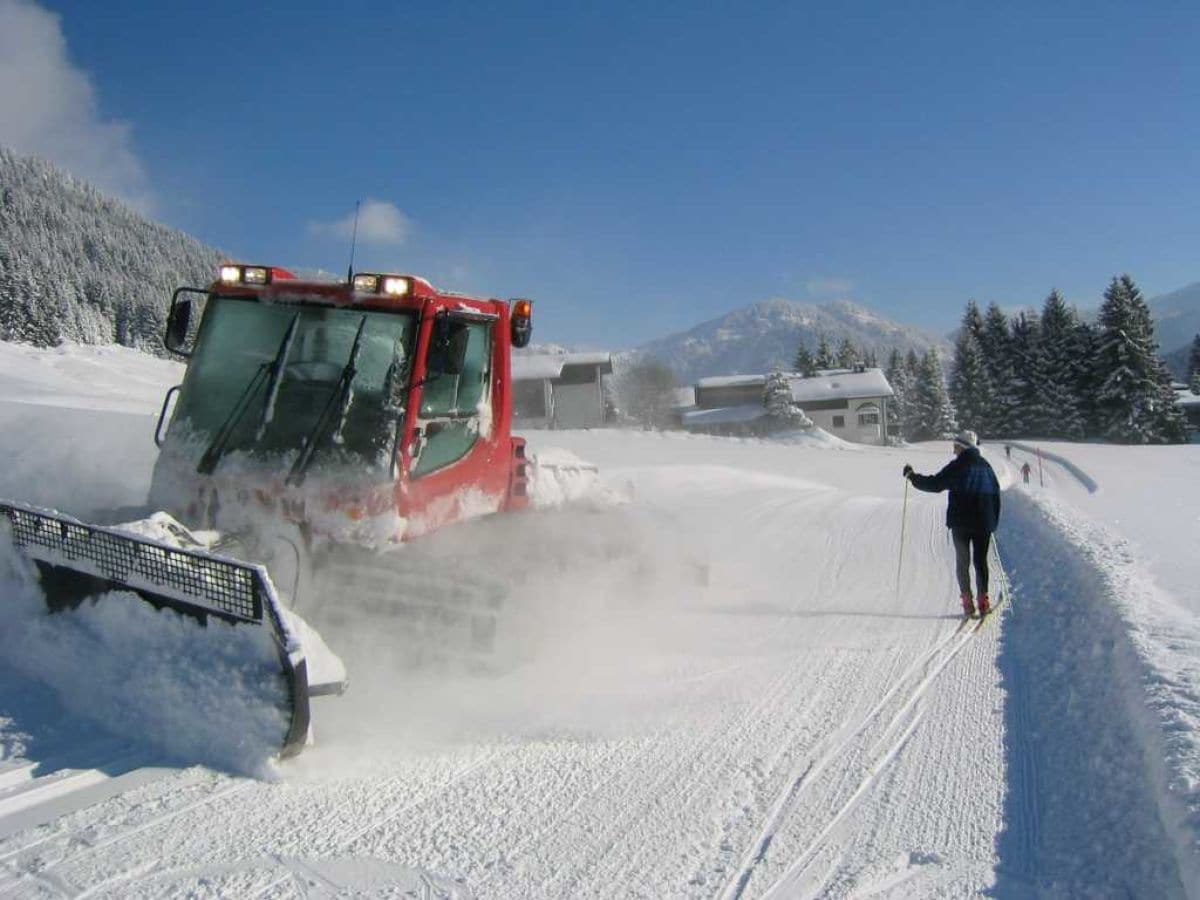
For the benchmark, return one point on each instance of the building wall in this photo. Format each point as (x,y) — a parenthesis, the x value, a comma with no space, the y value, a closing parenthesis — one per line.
(851,429)
(578,405)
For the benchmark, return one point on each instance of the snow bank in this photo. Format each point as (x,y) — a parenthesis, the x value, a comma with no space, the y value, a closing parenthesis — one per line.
(1110,668)
(212,695)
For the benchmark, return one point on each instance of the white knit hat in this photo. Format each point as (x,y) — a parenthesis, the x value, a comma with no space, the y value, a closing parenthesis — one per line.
(966,438)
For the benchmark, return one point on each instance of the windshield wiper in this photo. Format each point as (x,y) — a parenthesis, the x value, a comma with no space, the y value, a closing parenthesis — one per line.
(339,400)
(278,365)
(220,442)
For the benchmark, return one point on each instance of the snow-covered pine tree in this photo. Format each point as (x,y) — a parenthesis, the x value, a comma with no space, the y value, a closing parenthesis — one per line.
(970,387)
(869,358)
(896,373)
(824,359)
(1061,406)
(1026,415)
(847,356)
(933,413)
(1194,364)
(997,360)
(782,410)
(1134,400)
(803,363)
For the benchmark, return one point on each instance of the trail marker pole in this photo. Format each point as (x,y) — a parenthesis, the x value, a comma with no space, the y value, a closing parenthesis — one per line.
(1041,480)
(903,522)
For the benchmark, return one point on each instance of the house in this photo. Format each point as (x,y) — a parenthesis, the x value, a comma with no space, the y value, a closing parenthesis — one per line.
(1189,403)
(849,403)
(560,390)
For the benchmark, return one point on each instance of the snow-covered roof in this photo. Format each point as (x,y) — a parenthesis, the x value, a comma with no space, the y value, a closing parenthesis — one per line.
(720,381)
(542,366)
(724,415)
(827,384)
(841,384)
(1187,398)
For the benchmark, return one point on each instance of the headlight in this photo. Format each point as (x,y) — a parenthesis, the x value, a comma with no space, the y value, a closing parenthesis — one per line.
(396,287)
(366,284)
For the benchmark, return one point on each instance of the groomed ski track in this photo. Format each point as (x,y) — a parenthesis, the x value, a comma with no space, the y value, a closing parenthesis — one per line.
(786,723)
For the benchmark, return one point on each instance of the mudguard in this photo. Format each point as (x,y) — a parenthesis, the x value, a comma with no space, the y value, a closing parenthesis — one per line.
(77,562)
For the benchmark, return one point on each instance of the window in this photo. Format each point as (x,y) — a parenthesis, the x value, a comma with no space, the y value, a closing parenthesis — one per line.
(452,403)
(839,421)
(529,399)
(868,414)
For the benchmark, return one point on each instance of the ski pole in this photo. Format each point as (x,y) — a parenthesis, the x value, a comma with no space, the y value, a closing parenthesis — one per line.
(903,522)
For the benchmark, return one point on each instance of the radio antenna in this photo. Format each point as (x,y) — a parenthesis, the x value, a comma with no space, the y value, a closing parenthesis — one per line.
(353,241)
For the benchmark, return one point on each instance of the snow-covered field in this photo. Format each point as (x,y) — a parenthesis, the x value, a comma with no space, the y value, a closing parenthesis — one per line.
(733,686)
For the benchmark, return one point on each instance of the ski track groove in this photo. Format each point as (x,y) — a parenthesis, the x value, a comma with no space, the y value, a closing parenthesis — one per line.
(66,840)
(720,744)
(928,666)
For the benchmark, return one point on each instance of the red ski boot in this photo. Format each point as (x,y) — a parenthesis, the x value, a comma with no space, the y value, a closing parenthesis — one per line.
(968,606)
(985,605)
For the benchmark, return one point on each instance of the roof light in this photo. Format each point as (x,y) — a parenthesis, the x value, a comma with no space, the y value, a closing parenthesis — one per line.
(231,274)
(396,287)
(366,284)
(522,309)
(256,275)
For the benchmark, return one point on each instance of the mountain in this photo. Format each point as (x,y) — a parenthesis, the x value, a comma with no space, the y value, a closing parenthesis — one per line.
(78,266)
(759,337)
(1176,317)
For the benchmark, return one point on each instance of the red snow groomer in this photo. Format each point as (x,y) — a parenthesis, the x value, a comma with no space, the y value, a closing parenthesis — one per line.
(317,426)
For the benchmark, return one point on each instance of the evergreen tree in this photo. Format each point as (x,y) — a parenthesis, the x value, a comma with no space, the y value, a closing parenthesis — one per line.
(804,364)
(869,359)
(932,412)
(970,387)
(1134,400)
(996,345)
(1194,360)
(897,376)
(782,409)
(847,356)
(824,358)
(1061,403)
(1026,416)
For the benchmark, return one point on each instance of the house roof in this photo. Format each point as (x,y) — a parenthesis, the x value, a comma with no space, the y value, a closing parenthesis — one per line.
(841,384)
(724,415)
(827,384)
(544,366)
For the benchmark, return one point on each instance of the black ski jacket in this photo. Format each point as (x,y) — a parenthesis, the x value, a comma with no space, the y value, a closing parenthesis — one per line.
(974,492)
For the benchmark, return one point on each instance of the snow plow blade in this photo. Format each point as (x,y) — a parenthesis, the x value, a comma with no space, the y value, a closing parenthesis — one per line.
(78,562)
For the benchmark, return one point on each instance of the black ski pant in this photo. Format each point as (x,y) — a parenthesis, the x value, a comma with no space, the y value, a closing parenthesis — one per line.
(969,544)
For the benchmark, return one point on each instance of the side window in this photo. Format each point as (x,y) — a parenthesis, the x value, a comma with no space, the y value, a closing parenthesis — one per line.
(451,403)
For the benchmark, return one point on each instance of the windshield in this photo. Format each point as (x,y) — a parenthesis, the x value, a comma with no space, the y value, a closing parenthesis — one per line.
(263,373)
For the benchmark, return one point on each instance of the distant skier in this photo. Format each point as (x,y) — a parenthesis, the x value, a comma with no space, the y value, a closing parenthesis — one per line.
(1025,472)
(972,514)
(1008,451)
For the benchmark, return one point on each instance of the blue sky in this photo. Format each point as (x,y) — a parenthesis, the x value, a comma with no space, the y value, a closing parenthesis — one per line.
(639,168)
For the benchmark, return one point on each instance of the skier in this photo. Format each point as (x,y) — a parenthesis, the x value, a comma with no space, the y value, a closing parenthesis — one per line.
(1025,470)
(972,514)
(1007,451)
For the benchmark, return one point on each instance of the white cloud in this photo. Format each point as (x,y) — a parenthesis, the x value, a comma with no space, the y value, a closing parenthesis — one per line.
(379,222)
(826,287)
(48,107)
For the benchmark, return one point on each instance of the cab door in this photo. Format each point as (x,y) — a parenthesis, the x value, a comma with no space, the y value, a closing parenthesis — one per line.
(455,472)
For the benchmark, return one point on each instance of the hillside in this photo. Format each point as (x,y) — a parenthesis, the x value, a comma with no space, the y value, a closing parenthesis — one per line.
(1176,318)
(76,265)
(763,335)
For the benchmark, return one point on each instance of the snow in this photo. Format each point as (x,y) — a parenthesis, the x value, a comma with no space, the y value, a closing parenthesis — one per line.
(730,684)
